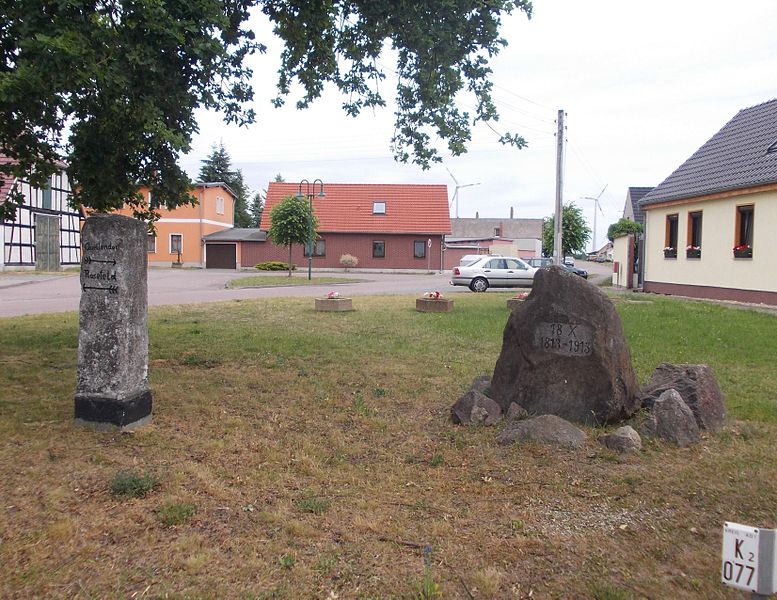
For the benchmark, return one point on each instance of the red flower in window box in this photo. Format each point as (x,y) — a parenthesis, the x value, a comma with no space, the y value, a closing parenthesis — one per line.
(743,251)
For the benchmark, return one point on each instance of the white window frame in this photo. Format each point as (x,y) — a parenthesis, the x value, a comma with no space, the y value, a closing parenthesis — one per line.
(152,250)
(379,207)
(170,244)
(219,205)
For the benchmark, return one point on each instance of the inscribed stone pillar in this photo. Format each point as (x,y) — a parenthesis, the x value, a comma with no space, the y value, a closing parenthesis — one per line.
(112,382)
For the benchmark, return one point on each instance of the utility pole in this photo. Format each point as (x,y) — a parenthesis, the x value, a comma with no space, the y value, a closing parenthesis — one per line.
(557,241)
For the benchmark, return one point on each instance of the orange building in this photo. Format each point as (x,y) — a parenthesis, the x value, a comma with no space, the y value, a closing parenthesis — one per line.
(180,232)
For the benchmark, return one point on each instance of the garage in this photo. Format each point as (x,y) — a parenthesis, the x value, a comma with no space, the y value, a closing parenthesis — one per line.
(221,256)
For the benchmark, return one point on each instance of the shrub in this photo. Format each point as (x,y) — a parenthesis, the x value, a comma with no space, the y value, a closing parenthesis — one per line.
(176,513)
(348,261)
(274,265)
(131,484)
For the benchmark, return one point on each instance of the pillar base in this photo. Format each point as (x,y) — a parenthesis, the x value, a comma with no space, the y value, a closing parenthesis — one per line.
(105,413)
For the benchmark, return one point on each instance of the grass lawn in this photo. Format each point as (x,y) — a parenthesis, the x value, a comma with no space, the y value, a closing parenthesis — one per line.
(285,280)
(296,454)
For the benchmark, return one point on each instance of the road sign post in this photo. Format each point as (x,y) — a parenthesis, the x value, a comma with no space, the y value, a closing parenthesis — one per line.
(748,559)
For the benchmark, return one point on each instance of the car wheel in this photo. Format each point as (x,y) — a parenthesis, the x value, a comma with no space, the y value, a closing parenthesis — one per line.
(479,284)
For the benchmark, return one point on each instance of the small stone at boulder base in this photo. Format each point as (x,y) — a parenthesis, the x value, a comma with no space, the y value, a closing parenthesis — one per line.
(548,430)
(623,440)
(482,383)
(672,420)
(516,412)
(698,388)
(565,353)
(475,407)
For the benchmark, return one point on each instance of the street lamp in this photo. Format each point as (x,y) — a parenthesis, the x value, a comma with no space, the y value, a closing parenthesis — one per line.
(310,191)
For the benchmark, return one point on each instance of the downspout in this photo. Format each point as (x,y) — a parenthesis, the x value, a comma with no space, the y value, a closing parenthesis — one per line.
(202,233)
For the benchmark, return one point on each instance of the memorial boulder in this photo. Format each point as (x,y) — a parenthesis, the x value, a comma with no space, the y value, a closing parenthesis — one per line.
(564,353)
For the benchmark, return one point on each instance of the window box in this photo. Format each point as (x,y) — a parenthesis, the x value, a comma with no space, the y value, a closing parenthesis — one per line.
(670,252)
(743,251)
(692,252)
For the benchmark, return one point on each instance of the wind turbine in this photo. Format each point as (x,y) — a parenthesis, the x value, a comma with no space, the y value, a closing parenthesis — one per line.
(599,206)
(456,191)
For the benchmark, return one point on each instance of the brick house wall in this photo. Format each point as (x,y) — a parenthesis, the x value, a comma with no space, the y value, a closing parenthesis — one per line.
(399,251)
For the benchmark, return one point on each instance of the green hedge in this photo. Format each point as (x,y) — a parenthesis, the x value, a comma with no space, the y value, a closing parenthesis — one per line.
(275,265)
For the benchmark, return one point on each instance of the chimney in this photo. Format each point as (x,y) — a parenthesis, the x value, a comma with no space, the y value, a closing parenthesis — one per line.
(477,215)
(511,213)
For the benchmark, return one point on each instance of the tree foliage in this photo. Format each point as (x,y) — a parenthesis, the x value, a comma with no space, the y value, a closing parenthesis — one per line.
(218,167)
(623,227)
(443,48)
(110,86)
(289,223)
(575,233)
(256,209)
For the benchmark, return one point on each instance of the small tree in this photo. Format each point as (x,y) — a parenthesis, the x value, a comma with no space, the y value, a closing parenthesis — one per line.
(349,261)
(574,231)
(289,223)
(256,209)
(624,227)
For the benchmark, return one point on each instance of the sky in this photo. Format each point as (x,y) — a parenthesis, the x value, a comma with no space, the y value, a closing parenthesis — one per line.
(642,84)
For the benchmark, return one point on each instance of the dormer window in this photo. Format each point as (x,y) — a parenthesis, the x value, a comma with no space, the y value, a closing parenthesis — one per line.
(379,208)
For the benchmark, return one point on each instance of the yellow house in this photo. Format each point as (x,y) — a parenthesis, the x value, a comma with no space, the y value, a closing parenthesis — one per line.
(180,232)
(710,226)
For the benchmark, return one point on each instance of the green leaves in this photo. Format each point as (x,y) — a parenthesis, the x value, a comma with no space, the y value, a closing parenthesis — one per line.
(289,221)
(574,231)
(111,87)
(443,50)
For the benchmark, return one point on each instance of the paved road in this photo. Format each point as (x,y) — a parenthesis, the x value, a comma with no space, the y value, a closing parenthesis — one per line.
(29,293)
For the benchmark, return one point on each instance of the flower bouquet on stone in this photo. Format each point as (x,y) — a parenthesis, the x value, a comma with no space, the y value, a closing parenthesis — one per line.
(433,295)
(332,295)
(521,295)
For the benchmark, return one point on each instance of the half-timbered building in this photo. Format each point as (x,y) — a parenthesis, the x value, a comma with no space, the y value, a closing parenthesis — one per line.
(45,233)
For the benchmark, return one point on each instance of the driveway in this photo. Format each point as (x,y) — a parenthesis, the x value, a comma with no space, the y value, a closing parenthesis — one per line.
(31,293)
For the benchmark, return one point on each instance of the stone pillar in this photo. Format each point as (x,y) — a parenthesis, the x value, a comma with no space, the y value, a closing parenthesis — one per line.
(112,381)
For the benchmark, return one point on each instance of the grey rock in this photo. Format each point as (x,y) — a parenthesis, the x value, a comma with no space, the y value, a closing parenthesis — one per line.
(548,430)
(565,353)
(475,408)
(698,388)
(623,440)
(482,384)
(672,420)
(516,412)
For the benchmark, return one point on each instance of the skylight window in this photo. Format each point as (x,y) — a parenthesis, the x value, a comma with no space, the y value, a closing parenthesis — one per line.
(379,208)
(772,149)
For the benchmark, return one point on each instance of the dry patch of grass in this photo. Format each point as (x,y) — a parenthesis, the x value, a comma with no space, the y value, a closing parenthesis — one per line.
(298,454)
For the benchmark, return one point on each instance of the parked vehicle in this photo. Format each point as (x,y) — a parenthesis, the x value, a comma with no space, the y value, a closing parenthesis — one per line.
(468,259)
(569,261)
(494,271)
(582,272)
(540,262)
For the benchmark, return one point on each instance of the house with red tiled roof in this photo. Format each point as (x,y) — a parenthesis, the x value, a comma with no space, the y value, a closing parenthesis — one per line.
(385,226)
(45,233)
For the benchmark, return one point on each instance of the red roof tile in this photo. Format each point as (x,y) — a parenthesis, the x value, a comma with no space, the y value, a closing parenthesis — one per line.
(348,207)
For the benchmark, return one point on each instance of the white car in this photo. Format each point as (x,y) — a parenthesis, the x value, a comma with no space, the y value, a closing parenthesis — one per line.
(494,271)
(569,261)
